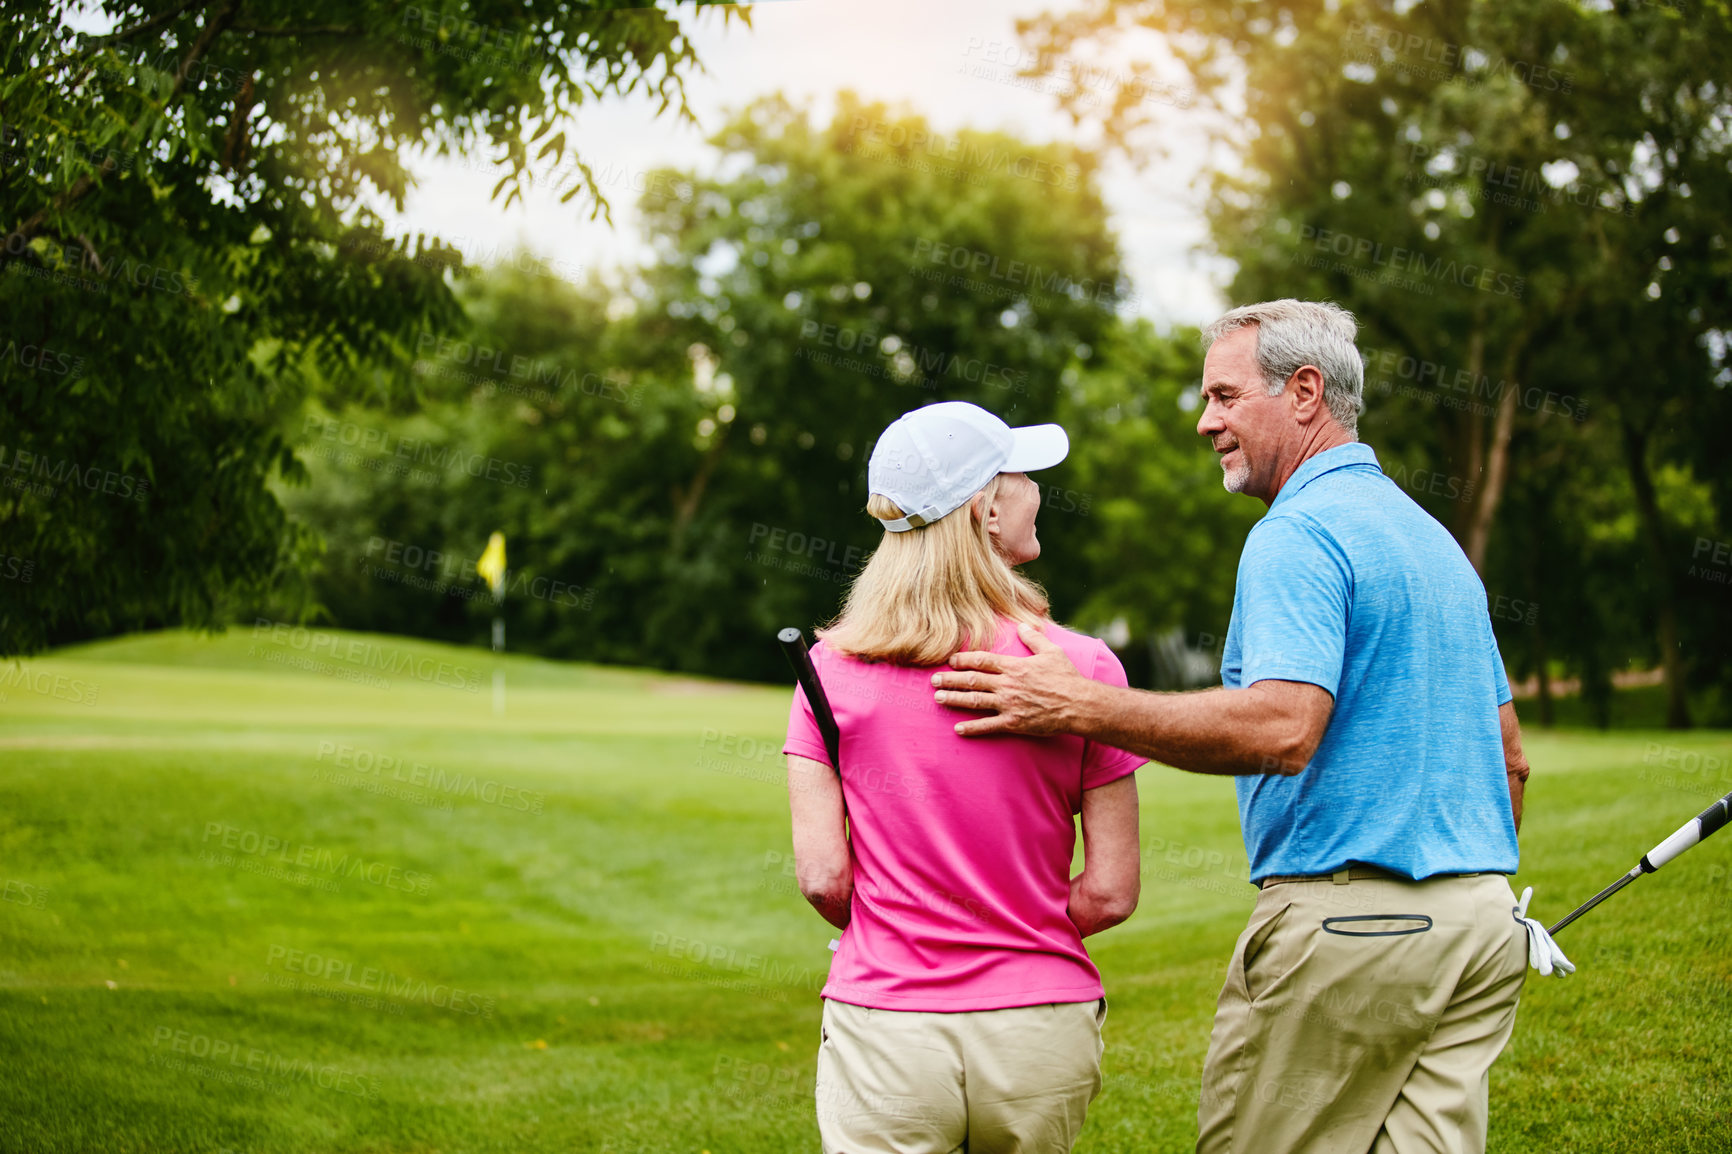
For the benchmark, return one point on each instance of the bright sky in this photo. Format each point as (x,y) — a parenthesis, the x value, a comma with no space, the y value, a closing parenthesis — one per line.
(926,53)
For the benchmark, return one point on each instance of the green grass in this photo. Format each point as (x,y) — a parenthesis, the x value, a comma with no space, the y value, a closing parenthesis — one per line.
(1638,708)
(123,942)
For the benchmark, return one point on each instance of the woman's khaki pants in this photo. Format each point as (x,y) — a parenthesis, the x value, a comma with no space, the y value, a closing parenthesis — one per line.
(1014,1081)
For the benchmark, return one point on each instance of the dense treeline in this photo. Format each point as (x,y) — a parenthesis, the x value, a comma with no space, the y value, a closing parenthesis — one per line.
(694,443)
(227,394)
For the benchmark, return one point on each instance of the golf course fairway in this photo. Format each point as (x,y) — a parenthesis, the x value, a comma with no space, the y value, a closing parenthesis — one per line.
(286,890)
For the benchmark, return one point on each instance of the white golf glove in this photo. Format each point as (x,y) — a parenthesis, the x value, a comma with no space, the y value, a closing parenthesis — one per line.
(1543,953)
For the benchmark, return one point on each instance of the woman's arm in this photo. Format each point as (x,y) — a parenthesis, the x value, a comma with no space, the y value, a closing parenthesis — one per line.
(1106,892)
(822,864)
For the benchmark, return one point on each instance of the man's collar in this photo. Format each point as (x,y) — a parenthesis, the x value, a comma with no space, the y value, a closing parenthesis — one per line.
(1313,467)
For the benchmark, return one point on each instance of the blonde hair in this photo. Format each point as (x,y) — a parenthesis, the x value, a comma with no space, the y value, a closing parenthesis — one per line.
(927,593)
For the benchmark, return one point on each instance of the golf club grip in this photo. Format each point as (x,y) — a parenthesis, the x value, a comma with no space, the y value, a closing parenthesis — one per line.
(1691,832)
(794,646)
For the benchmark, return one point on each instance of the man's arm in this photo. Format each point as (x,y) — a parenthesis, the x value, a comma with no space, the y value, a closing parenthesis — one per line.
(1514,761)
(822,864)
(1106,891)
(1268,727)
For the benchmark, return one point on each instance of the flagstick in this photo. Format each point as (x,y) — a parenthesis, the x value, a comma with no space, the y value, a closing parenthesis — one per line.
(498,673)
(492,567)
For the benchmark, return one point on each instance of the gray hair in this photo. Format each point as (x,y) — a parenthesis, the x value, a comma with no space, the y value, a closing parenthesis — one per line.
(1294,333)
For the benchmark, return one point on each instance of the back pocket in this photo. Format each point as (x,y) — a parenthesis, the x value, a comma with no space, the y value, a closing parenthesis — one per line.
(1377,925)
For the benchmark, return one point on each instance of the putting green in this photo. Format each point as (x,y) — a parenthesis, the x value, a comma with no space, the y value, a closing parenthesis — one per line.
(290,891)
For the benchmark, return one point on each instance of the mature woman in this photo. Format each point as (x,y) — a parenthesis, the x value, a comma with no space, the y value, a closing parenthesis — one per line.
(961,1010)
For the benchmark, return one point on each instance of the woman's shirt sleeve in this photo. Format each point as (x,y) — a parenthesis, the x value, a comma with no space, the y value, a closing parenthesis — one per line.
(1103,764)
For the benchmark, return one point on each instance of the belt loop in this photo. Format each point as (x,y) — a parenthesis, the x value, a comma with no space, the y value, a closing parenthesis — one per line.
(1341,876)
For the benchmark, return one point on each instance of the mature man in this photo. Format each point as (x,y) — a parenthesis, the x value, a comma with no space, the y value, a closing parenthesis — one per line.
(1365,711)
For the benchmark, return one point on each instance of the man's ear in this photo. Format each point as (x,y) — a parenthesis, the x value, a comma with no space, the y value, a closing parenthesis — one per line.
(1306,385)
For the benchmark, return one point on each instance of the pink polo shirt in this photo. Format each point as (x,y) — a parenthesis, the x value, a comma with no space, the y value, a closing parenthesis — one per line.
(962,846)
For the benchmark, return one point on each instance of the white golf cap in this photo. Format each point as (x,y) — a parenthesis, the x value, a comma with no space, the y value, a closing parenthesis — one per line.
(932,460)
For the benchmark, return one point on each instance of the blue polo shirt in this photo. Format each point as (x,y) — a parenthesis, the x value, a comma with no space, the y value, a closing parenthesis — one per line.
(1348,584)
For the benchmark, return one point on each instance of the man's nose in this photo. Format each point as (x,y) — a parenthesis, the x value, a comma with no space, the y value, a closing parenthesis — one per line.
(1209,423)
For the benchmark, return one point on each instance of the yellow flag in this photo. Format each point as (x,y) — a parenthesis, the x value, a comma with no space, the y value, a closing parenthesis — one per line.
(492,564)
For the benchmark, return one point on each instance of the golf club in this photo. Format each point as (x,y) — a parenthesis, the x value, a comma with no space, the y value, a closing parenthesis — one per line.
(794,647)
(1691,832)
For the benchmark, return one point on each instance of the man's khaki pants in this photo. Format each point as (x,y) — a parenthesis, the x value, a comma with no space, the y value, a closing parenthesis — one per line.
(1364,1016)
(1015,1081)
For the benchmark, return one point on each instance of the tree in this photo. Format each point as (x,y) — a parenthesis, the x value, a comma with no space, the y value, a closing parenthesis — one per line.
(190,243)
(698,438)
(847,274)
(1488,187)
(1142,530)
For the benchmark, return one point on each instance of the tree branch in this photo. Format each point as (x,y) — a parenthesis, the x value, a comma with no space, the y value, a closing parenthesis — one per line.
(686,499)
(147,25)
(89,248)
(303,30)
(220,20)
(235,147)
(18,241)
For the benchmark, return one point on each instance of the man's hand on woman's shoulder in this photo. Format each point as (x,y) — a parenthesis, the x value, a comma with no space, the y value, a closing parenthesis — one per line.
(1038,695)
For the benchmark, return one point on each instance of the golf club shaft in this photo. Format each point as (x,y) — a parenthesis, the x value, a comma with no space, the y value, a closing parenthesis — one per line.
(1597,899)
(1690,833)
(794,647)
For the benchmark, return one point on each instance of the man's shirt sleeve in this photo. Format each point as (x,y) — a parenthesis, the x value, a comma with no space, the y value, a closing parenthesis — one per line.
(1499,674)
(1104,763)
(1295,592)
